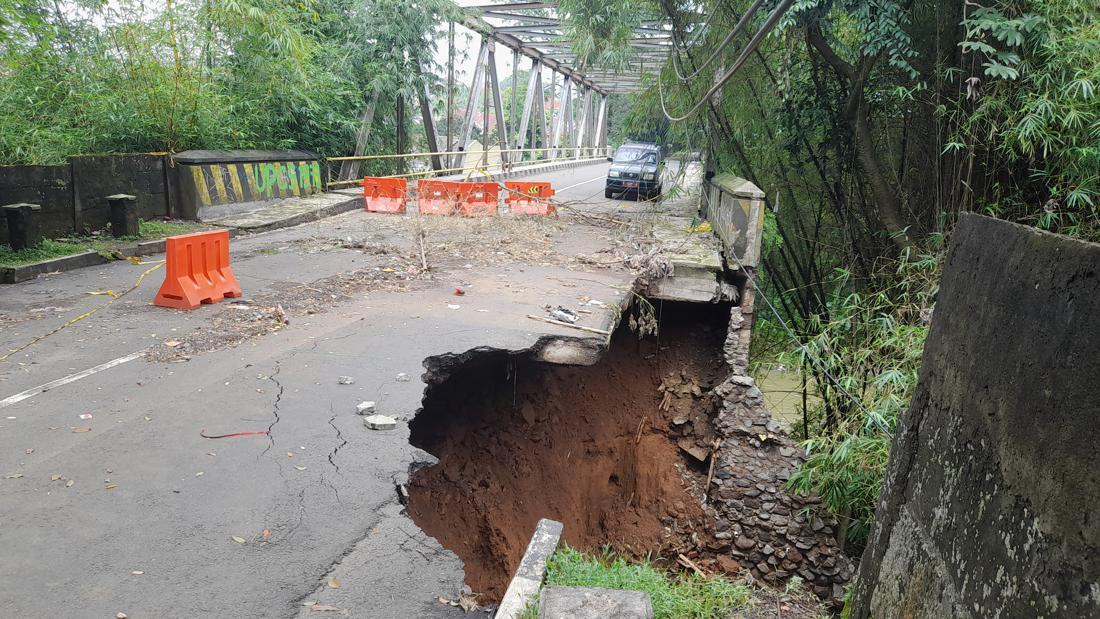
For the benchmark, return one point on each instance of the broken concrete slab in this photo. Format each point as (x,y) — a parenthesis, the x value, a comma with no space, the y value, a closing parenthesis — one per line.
(365,408)
(380,422)
(593,603)
(532,568)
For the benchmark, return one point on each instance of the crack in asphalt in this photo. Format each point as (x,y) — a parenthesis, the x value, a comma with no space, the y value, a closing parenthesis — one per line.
(275,411)
(301,513)
(332,454)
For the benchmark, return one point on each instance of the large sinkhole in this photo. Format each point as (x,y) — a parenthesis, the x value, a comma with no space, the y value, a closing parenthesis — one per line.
(593,447)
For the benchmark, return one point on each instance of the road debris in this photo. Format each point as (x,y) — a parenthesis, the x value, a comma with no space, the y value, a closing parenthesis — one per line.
(365,408)
(323,608)
(566,324)
(238,539)
(346,380)
(86,416)
(402,378)
(459,292)
(81,430)
(333,582)
(562,314)
(453,306)
(203,433)
(380,422)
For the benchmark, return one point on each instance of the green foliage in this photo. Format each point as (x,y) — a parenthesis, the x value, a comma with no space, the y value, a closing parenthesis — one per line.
(1038,101)
(104,244)
(871,345)
(601,30)
(46,251)
(99,77)
(689,596)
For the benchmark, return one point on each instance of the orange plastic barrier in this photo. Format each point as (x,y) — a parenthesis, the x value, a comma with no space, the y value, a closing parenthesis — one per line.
(384,195)
(477,199)
(197,271)
(529,198)
(435,197)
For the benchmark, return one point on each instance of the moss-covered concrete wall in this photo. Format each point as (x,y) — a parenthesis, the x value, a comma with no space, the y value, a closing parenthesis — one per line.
(991,505)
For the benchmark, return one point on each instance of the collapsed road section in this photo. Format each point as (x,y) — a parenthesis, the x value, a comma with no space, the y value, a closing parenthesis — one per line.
(662,448)
(519,440)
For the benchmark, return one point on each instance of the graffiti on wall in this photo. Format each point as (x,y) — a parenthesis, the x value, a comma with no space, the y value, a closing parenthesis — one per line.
(230,183)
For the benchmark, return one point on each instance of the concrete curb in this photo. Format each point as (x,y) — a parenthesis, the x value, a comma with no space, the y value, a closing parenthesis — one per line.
(24,272)
(351,204)
(532,568)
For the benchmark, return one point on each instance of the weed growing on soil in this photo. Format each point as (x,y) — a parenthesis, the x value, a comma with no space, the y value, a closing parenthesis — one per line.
(674,596)
(105,245)
(45,251)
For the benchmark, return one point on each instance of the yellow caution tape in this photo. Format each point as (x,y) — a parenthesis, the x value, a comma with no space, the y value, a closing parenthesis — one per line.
(111,293)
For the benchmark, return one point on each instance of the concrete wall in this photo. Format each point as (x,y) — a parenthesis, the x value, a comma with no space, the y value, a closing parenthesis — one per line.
(211,179)
(989,508)
(99,176)
(48,186)
(735,209)
(73,196)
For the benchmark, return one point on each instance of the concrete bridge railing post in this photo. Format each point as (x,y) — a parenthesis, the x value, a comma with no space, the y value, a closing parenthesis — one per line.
(23,225)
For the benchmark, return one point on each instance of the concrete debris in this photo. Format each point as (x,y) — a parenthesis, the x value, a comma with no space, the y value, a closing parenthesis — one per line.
(593,603)
(689,447)
(380,422)
(365,408)
(346,380)
(402,378)
(563,314)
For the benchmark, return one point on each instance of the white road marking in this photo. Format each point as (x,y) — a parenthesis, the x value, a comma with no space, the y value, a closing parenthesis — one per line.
(598,178)
(71,378)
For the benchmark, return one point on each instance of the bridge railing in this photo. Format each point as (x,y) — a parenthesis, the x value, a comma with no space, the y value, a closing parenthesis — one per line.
(472,162)
(735,209)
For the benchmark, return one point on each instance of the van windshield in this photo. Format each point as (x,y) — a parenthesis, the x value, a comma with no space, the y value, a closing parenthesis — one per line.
(628,154)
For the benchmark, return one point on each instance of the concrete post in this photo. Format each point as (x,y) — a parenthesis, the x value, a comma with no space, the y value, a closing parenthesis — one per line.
(23,229)
(124,219)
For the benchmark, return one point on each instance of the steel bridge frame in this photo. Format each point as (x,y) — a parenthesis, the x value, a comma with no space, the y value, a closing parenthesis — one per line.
(577,125)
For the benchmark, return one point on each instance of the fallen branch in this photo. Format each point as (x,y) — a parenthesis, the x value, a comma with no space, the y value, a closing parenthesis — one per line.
(638,438)
(710,471)
(688,563)
(203,434)
(566,324)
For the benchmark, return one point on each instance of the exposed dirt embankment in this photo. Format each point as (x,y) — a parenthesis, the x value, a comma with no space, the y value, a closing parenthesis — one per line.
(589,446)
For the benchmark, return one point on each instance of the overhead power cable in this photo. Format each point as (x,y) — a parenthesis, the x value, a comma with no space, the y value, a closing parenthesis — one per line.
(773,19)
(721,46)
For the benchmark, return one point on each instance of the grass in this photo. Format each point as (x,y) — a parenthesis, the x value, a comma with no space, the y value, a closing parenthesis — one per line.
(674,596)
(106,245)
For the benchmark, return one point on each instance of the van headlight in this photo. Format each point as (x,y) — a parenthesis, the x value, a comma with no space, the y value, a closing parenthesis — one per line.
(613,173)
(649,176)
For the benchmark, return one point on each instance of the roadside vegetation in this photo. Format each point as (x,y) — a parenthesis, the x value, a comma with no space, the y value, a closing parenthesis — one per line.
(871,125)
(89,77)
(674,596)
(106,245)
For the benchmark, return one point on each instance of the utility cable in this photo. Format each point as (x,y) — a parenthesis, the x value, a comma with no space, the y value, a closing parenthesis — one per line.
(721,46)
(773,19)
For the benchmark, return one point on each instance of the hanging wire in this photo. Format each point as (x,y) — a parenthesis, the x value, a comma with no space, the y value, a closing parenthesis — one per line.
(721,46)
(874,417)
(773,19)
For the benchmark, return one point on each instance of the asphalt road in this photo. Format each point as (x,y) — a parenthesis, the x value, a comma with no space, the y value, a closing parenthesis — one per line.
(131,510)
